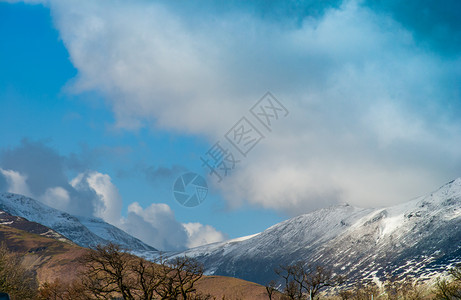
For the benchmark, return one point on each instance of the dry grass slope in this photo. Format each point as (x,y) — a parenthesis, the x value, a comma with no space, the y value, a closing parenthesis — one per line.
(231,288)
(51,259)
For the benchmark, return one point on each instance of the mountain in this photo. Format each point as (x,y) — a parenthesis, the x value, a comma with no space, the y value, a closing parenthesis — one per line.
(83,231)
(419,238)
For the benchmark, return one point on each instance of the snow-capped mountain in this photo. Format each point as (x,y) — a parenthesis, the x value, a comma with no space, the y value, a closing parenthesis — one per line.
(86,232)
(418,238)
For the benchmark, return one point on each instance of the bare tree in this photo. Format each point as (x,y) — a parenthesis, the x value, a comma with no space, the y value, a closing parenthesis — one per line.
(59,290)
(271,289)
(111,272)
(319,277)
(292,277)
(108,273)
(449,288)
(148,279)
(404,288)
(14,278)
(362,290)
(301,281)
(179,277)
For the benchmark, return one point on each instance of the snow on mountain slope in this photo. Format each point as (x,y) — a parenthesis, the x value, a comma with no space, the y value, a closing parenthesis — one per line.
(86,232)
(322,226)
(418,238)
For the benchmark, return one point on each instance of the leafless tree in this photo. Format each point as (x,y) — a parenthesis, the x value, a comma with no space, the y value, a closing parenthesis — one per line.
(362,290)
(301,281)
(320,277)
(59,290)
(14,278)
(292,277)
(449,288)
(271,289)
(110,272)
(178,278)
(402,288)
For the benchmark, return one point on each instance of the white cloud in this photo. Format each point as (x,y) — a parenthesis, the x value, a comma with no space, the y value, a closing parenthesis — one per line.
(107,203)
(156,225)
(56,197)
(110,204)
(200,234)
(152,46)
(16,182)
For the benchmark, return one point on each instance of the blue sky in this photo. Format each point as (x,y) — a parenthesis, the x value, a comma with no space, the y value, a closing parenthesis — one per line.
(112,101)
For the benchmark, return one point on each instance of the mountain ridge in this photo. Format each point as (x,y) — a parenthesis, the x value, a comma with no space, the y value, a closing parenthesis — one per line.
(84,231)
(417,238)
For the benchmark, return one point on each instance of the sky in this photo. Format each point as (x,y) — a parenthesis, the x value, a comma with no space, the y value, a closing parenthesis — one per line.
(104,104)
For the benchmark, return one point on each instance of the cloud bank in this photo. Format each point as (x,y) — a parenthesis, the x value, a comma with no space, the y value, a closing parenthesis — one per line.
(373,92)
(35,170)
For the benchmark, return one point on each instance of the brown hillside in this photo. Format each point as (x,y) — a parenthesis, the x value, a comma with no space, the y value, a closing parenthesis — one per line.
(231,288)
(51,259)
